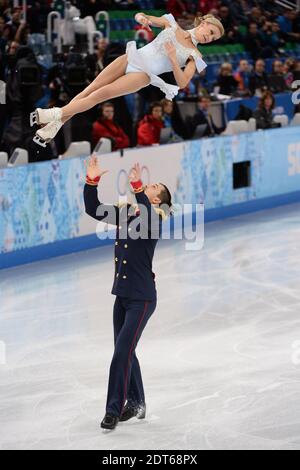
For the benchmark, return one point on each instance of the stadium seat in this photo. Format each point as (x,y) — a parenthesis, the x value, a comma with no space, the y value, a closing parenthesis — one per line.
(19,157)
(296,120)
(103,146)
(3,159)
(236,127)
(252,125)
(282,119)
(77,149)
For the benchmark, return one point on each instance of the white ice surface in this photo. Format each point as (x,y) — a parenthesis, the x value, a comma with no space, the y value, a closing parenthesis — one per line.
(220,357)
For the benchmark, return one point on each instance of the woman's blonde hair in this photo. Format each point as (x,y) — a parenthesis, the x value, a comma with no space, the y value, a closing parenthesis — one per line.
(210,19)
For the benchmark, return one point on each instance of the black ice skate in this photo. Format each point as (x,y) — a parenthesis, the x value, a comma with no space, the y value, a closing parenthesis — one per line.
(109,422)
(131,411)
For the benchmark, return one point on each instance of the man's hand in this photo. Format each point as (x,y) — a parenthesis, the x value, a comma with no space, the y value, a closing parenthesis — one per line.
(93,168)
(135,173)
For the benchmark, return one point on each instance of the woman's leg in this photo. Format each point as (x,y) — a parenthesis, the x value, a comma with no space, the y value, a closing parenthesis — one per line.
(124,85)
(108,75)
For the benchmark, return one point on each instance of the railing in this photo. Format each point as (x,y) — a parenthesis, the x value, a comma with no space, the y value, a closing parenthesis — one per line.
(291,4)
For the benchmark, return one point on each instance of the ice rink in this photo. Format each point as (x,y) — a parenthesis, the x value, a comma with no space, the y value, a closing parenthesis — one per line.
(220,357)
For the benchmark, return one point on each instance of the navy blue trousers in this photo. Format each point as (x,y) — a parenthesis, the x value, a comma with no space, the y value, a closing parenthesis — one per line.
(125,378)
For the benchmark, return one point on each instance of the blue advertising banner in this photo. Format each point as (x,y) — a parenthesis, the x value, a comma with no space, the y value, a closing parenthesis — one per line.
(207,167)
(284,105)
(41,205)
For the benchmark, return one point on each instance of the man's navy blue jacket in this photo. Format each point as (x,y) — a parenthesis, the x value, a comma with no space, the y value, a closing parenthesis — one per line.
(134,278)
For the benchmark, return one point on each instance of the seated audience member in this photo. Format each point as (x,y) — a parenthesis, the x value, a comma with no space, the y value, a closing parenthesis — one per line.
(255,44)
(297,70)
(242,76)
(238,11)
(225,16)
(205,6)
(149,128)
(273,37)
(105,126)
(258,82)
(276,78)
(226,84)
(288,23)
(264,113)
(289,67)
(170,121)
(177,8)
(3,36)
(203,116)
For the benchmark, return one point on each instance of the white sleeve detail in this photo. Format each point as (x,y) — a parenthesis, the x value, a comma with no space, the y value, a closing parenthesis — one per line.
(200,64)
(171,20)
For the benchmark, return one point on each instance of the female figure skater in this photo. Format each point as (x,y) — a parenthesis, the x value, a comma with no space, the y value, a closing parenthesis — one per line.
(172,49)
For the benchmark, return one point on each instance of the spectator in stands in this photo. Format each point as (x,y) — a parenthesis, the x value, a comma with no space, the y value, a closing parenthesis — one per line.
(150,126)
(205,6)
(272,9)
(177,8)
(202,117)
(105,126)
(226,18)
(258,82)
(238,11)
(100,53)
(254,43)
(15,29)
(91,7)
(297,71)
(242,76)
(170,121)
(264,113)
(3,36)
(4,9)
(276,79)
(288,24)
(289,71)
(256,16)
(226,83)
(232,36)
(126,4)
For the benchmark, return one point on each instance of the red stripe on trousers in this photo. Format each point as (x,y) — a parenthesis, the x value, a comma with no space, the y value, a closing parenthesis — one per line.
(125,387)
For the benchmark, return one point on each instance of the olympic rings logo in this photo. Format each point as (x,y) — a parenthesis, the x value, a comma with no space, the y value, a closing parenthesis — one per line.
(123,180)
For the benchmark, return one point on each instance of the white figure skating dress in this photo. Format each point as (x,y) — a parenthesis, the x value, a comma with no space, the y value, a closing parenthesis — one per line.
(153,58)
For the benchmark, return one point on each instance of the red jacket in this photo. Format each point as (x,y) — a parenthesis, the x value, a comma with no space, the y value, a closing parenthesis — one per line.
(108,128)
(148,132)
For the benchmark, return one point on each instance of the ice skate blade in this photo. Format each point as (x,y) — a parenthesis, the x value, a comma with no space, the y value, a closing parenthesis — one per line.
(141,415)
(39,141)
(34,119)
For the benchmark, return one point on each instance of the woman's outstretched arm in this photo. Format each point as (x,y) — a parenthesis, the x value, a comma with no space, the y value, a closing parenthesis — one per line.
(148,21)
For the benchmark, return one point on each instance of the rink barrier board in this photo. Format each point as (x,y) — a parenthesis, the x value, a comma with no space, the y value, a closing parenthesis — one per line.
(45,217)
(88,242)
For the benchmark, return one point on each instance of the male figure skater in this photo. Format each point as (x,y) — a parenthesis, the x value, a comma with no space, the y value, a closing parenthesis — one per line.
(134,284)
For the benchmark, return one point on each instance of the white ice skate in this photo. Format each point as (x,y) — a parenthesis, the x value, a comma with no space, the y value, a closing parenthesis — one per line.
(44,135)
(45,116)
